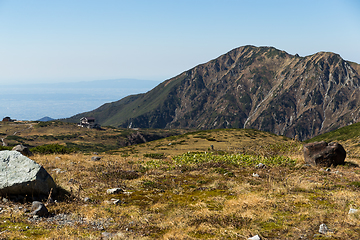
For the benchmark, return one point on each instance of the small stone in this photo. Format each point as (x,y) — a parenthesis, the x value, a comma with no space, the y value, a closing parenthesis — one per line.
(261,165)
(114,191)
(39,209)
(256,237)
(86,199)
(323,229)
(353,210)
(106,235)
(5,200)
(255,175)
(95,158)
(57,170)
(116,201)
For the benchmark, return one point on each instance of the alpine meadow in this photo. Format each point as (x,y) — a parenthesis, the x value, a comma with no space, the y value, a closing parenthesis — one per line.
(215,152)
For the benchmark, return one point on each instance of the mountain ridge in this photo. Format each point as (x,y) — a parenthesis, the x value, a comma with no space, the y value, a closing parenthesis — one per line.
(248,87)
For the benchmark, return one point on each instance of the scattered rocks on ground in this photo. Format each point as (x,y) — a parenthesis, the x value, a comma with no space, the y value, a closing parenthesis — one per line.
(114,191)
(20,175)
(39,209)
(324,154)
(72,220)
(23,150)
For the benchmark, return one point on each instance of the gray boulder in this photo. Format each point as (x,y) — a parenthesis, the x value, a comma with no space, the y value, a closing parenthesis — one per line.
(20,175)
(324,154)
(24,150)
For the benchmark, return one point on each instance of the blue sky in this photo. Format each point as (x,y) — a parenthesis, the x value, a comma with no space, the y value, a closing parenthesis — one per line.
(81,40)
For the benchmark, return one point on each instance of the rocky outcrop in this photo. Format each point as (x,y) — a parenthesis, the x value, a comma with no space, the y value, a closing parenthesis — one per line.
(324,154)
(20,175)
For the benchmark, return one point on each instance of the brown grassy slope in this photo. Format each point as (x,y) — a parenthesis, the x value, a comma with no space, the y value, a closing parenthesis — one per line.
(228,140)
(34,134)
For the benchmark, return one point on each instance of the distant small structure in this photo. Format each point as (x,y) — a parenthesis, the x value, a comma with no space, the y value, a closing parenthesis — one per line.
(8,119)
(87,122)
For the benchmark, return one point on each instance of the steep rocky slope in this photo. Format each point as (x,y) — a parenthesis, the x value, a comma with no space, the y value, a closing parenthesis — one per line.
(248,87)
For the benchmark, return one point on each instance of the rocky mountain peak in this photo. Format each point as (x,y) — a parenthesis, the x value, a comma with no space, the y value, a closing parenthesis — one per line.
(249,87)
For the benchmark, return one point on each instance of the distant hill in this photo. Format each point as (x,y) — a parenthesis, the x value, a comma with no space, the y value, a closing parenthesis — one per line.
(249,87)
(45,119)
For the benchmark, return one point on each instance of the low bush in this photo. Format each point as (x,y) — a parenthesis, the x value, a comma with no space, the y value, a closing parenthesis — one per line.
(5,148)
(52,148)
(155,155)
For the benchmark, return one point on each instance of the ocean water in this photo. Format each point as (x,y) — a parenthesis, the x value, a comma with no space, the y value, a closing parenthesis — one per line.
(62,100)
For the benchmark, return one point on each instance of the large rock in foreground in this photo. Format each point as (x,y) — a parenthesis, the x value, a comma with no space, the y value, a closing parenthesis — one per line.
(20,175)
(324,154)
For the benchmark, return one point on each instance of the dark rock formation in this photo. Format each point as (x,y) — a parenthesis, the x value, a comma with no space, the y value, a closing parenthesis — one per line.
(23,150)
(324,154)
(39,209)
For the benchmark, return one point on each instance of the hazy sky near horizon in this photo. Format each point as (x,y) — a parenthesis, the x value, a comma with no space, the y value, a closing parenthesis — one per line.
(82,40)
